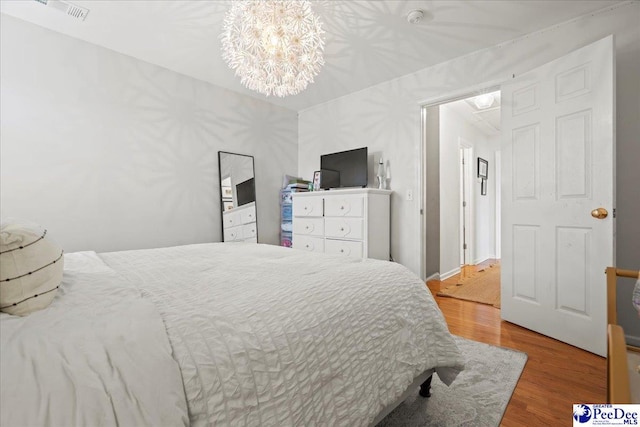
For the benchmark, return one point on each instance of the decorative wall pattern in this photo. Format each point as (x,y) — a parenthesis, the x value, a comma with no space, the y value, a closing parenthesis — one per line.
(111,153)
(394,132)
(367,42)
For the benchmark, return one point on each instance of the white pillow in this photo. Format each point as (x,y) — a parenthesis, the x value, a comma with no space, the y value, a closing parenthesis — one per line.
(31,267)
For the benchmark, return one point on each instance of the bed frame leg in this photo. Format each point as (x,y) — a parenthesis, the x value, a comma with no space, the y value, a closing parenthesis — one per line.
(425,387)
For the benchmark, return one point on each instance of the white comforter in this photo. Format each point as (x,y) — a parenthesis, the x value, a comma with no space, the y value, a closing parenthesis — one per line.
(262,336)
(97,356)
(269,336)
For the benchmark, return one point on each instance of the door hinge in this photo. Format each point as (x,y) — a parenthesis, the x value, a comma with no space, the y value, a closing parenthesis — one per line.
(421,211)
(464,204)
(464,246)
(614,212)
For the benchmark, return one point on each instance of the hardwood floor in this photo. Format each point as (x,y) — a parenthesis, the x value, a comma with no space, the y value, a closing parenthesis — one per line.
(555,377)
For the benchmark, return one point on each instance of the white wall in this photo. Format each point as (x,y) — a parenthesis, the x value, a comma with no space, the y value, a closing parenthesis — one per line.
(386,117)
(485,206)
(110,153)
(454,126)
(431,190)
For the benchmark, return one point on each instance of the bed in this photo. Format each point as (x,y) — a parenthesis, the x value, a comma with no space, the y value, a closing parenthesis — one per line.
(223,334)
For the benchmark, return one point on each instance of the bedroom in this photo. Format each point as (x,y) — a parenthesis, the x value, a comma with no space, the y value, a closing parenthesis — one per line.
(97,137)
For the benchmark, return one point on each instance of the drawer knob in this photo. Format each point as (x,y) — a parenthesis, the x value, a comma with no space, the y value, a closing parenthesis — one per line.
(342,208)
(305,208)
(342,250)
(307,246)
(307,227)
(342,229)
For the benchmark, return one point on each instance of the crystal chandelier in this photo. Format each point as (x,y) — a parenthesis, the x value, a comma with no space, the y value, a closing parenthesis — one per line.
(274,46)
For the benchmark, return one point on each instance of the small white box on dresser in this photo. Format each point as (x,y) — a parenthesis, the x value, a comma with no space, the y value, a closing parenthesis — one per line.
(351,222)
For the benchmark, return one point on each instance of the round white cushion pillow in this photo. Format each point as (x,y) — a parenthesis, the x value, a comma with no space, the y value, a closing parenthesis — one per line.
(30,269)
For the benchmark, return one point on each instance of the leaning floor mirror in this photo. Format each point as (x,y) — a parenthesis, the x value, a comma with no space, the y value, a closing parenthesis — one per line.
(238,197)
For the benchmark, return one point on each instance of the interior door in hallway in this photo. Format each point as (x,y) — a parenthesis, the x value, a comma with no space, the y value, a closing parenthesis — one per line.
(558,166)
(466,205)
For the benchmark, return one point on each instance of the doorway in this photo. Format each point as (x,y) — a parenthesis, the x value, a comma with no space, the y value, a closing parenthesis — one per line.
(464,135)
(554,169)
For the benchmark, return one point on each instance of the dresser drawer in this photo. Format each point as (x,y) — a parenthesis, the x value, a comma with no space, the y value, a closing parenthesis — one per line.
(309,226)
(249,231)
(311,244)
(344,247)
(231,219)
(233,233)
(350,228)
(307,206)
(248,215)
(344,206)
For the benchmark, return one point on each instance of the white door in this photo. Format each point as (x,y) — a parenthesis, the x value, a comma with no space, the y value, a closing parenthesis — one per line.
(558,165)
(466,204)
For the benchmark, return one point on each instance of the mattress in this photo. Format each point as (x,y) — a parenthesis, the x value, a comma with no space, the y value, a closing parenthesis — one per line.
(250,335)
(97,356)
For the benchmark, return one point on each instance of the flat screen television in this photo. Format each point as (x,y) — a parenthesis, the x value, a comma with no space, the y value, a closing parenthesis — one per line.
(246,192)
(352,165)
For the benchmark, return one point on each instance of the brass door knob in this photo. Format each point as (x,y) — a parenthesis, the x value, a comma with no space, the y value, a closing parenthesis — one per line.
(600,213)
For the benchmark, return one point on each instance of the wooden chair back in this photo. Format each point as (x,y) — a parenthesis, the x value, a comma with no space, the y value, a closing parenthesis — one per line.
(618,387)
(612,279)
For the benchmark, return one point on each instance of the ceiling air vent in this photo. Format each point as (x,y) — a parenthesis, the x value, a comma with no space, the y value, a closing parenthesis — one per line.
(66,7)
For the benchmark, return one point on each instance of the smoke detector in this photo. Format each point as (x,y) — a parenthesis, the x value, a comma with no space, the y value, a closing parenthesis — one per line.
(415,16)
(66,7)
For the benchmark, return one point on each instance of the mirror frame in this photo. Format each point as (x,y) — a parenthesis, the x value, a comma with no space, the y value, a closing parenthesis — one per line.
(253,167)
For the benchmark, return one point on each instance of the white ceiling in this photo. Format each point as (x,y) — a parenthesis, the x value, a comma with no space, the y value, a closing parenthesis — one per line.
(367,42)
(486,119)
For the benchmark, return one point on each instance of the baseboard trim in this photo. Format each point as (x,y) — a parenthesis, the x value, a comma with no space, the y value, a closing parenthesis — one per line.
(632,340)
(445,276)
(434,276)
(481,260)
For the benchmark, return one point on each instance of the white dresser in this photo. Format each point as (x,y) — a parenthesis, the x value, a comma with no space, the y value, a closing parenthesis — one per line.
(350,222)
(239,224)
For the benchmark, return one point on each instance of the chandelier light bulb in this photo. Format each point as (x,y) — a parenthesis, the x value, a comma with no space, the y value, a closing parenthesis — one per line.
(274,46)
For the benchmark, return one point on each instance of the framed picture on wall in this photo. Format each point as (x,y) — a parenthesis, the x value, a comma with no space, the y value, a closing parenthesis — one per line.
(483,168)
